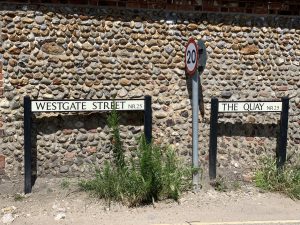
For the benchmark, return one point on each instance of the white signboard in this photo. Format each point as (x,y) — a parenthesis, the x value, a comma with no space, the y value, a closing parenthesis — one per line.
(226,107)
(85,105)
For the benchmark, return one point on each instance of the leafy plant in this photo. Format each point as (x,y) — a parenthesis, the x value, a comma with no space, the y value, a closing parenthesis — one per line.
(154,174)
(118,151)
(285,180)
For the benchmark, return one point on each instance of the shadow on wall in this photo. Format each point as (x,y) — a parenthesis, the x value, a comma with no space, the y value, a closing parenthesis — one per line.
(153,15)
(240,129)
(200,93)
(71,128)
(248,129)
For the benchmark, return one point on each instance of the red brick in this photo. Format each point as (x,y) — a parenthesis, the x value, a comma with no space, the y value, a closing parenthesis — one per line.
(78,2)
(275,6)
(211,9)
(186,7)
(1,83)
(236,9)
(93,2)
(1,75)
(171,7)
(133,5)
(1,66)
(263,10)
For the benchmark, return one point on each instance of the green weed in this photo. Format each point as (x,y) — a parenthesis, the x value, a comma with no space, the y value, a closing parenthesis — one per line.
(285,180)
(155,173)
(19,197)
(65,184)
(118,151)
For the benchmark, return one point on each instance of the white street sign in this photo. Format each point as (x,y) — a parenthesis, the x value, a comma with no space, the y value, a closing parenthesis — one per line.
(85,105)
(226,107)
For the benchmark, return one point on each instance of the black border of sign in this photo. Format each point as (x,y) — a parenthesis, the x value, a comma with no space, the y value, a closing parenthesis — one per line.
(282,143)
(191,73)
(249,111)
(28,181)
(87,100)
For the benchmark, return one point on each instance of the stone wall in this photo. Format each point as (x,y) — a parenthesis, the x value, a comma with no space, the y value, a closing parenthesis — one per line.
(62,52)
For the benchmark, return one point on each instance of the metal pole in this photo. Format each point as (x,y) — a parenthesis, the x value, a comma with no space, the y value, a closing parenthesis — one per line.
(284,118)
(27,145)
(213,138)
(195,112)
(148,119)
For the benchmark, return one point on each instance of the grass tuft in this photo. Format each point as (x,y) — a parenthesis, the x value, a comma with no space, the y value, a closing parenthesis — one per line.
(285,180)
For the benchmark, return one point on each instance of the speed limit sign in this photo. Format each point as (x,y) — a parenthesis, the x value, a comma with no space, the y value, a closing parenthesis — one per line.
(191,57)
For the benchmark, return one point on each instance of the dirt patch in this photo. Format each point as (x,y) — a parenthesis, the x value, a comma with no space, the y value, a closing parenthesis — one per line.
(59,201)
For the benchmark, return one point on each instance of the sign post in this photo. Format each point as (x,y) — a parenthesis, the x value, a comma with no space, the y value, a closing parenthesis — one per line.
(247,107)
(191,62)
(77,105)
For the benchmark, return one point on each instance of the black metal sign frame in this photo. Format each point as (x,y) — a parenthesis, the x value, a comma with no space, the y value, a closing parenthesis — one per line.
(28,124)
(282,143)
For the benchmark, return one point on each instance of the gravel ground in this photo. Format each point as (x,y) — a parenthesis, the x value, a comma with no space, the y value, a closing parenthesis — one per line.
(59,201)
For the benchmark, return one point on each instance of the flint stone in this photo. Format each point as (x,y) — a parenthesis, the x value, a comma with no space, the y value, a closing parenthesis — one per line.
(87,46)
(250,50)
(279,61)
(226,94)
(63,169)
(52,48)
(161,114)
(39,19)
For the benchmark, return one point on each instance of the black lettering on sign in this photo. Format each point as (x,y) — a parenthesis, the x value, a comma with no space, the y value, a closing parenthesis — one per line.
(191,56)
(40,105)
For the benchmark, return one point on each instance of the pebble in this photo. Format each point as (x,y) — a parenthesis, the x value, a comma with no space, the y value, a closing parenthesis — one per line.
(60,216)
(63,169)
(7,218)
(39,19)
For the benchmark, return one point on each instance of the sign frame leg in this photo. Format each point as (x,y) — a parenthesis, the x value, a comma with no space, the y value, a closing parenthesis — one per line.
(27,146)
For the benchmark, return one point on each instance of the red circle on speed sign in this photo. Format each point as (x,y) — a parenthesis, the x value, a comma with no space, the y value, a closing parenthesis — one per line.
(191,57)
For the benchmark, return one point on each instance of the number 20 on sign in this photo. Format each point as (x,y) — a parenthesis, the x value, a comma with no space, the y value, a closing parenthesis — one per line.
(191,57)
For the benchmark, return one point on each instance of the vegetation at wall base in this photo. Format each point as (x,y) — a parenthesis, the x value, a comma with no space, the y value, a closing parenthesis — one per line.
(285,180)
(118,151)
(156,173)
